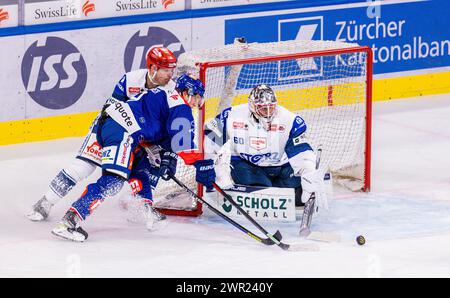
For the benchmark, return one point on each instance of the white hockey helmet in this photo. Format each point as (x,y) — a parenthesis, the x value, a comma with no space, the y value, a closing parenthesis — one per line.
(263,104)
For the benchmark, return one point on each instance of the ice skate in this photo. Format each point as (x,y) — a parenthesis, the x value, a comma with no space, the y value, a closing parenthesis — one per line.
(41,210)
(154,220)
(68,228)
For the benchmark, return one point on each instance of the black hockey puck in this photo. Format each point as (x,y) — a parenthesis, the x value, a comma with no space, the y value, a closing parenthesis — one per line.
(361,240)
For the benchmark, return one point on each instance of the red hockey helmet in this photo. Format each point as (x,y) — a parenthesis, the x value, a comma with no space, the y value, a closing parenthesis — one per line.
(161,57)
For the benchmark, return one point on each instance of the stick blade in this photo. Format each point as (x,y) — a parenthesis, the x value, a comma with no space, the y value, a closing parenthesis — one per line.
(304,232)
(268,241)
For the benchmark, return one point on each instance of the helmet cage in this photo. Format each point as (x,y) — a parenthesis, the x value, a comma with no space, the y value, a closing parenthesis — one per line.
(263,104)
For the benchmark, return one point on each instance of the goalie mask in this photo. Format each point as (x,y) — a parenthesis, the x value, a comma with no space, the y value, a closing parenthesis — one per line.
(263,104)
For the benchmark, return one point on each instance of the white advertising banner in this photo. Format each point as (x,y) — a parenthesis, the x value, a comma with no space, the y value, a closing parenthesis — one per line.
(261,203)
(9,16)
(70,72)
(208,32)
(12,95)
(199,4)
(76,10)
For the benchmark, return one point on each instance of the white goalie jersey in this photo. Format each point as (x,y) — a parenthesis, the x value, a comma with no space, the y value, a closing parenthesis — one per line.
(249,140)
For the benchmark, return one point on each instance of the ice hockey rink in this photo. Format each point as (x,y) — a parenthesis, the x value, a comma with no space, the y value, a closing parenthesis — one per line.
(405,218)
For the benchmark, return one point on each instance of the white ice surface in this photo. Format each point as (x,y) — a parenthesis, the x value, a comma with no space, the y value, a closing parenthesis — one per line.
(405,219)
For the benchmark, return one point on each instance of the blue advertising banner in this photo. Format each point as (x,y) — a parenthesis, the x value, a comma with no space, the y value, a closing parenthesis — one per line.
(403,35)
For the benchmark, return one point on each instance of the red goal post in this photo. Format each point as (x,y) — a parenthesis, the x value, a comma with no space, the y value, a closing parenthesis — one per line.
(329,84)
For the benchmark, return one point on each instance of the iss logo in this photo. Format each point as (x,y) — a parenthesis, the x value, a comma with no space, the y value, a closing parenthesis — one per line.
(140,43)
(301,29)
(54,73)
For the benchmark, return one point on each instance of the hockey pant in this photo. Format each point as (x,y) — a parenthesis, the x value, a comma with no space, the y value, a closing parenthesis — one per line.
(90,150)
(246,173)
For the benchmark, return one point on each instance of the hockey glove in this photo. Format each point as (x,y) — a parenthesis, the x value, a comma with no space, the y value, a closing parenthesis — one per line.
(312,182)
(205,173)
(168,164)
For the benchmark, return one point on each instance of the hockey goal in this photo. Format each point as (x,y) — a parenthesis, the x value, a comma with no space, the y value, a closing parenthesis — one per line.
(327,83)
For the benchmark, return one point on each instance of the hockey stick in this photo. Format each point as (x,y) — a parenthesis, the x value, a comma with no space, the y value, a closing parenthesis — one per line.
(277,236)
(305,226)
(296,247)
(308,211)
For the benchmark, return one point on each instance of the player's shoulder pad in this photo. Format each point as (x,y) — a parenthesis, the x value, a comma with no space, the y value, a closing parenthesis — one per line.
(290,118)
(121,83)
(136,79)
(137,75)
(298,126)
(225,114)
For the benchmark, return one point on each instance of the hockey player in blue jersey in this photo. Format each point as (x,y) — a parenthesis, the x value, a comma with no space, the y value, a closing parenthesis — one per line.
(156,116)
(161,63)
(267,145)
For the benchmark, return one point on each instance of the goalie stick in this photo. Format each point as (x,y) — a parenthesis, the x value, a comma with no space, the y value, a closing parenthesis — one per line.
(267,241)
(294,247)
(308,211)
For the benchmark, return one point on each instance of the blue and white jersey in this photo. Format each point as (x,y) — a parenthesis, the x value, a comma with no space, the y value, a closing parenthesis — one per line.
(250,141)
(130,84)
(133,83)
(159,116)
